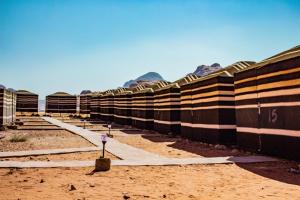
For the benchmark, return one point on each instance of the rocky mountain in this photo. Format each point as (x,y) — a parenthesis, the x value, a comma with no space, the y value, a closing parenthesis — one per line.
(86,91)
(148,78)
(203,70)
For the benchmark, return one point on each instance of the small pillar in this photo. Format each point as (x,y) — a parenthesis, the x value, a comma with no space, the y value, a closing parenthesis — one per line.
(102,164)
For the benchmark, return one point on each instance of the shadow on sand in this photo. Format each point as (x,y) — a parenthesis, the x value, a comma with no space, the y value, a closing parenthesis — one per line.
(278,171)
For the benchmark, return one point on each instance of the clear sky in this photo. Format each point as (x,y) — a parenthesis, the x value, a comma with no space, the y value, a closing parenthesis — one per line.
(71,45)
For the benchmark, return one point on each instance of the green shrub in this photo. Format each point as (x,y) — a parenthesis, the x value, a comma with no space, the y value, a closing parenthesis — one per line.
(18,138)
(3,128)
(13,127)
(19,123)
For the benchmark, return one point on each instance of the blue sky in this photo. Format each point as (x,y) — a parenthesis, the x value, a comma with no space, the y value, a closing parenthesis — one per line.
(71,45)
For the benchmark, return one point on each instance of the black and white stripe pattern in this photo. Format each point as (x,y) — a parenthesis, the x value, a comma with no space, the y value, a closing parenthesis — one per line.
(107,106)
(143,108)
(27,102)
(186,111)
(213,106)
(7,107)
(167,108)
(122,106)
(61,102)
(85,104)
(95,105)
(267,100)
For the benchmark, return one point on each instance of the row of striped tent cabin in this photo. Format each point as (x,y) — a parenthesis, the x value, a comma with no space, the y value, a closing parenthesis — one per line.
(85,103)
(143,107)
(186,112)
(167,108)
(61,102)
(122,106)
(27,102)
(268,106)
(107,106)
(7,106)
(212,106)
(95,105)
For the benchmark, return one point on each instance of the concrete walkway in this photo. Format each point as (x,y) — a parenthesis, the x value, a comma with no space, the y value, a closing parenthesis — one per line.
(131,156)
(46,152)
(159,162)
(123,151)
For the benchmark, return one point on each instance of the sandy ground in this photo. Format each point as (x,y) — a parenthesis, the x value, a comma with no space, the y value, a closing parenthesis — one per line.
(223,181)
(39,128)
(37,123)
(25,119)
(162,144)
(172,147)
(56,139)
(59,157)
(251,181)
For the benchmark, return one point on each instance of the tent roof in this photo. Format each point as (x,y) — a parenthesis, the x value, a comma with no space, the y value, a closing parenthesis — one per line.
(143,90)
(25,92)
(11,89)
(187,79)
(288,54)
(108,93)
(60,94)
(123,91)
(159,85)
(228,71)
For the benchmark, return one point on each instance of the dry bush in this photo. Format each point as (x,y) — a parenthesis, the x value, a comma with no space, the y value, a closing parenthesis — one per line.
(18,138)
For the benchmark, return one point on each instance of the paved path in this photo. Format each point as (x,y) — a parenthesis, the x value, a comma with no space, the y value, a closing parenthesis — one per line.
(114,130)
(46,152)
(131,156)
(160,162)
(123,151)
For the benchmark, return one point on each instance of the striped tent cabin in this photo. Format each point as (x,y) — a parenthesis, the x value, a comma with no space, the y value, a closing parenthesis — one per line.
(122,106)
(167,108)
(143,107)
(7,106)
(267,106)
(186,112)
(95,105)
(107,106)
(213,106)
(61,102)
(27,102)
(85,103)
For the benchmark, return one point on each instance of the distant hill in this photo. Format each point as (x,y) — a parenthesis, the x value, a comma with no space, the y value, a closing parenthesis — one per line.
(203,70)
(149,78)
(86,91)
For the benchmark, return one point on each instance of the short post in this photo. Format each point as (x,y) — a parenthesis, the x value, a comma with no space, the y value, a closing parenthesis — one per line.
(104,140)
(102,163)
(109,128)
(84,121)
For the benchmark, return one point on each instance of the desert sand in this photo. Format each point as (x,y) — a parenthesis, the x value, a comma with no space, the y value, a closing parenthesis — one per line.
(251,181)
(42,139)
(223,181)
(173,147)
